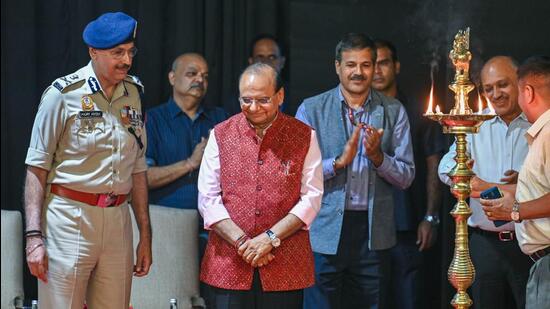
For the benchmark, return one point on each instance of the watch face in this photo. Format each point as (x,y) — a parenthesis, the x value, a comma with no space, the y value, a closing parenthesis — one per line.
(515,215)
(276,242)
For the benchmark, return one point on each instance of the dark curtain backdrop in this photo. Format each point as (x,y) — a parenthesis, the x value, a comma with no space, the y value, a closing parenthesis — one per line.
(42,40)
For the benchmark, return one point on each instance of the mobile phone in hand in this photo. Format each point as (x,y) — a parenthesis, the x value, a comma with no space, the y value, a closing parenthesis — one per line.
(492,194)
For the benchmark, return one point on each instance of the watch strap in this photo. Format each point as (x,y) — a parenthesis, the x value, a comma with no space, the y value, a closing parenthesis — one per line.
(515,212)
(433,219)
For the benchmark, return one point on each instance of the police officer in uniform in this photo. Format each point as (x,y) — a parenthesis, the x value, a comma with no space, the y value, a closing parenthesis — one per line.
(86,162)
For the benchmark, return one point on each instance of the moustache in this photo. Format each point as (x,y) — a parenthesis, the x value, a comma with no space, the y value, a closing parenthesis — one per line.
(196,85)
(357,77)
(123,67)
(501,99)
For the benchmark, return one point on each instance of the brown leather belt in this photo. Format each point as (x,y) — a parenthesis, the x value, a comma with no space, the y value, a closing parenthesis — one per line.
(502,236)
(93,199)
(540,254)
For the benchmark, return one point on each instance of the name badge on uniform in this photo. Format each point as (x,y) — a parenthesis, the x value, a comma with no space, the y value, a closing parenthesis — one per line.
(90,114)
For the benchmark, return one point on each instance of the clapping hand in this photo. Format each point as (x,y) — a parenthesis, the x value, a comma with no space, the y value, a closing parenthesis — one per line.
(372,142)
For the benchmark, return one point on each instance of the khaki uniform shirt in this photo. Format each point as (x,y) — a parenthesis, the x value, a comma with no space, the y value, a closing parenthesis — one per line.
(534,182)
(87,143)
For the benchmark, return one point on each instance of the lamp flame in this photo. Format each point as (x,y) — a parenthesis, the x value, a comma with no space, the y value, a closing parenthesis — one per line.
(431,101)
(490,106)
(437,110)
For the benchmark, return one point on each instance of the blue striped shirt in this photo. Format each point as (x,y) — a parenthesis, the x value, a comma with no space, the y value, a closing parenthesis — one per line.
(171,137)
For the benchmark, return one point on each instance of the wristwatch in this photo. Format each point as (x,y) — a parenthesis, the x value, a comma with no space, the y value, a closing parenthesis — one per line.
(433,219)
(334,163)
(515,212)
(275,241)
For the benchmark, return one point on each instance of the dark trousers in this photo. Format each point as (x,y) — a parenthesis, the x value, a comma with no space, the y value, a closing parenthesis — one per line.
(502,271)
(351,278)
(255,298)
(402,282)
(538,286)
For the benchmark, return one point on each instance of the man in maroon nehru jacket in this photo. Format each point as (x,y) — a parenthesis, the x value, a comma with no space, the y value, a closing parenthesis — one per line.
(260,187)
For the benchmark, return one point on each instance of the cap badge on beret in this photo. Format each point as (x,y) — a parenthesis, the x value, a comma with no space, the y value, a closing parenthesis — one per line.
(110,30)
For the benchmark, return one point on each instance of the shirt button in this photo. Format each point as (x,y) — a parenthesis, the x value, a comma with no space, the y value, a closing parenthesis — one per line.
(260,162)
(115,149)
(258,188)
(351,198)
(258,212)
(113,127)
(115,172)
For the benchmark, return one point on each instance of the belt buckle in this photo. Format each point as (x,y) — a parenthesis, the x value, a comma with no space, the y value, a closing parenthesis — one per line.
(106,200)
(509,237)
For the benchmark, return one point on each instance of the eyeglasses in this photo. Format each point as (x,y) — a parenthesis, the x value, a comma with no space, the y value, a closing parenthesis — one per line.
(119,53)
(262,101)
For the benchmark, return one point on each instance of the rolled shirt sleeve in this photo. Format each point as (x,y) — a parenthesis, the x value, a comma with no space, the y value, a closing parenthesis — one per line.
(210,205)
(399,170)
(311,190)
(49,124)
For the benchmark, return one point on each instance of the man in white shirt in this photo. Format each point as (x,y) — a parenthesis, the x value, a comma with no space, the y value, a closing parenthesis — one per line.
(530,207)
(498,151)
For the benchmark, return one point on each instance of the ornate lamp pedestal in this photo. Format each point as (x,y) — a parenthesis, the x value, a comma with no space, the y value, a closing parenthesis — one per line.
(461,121)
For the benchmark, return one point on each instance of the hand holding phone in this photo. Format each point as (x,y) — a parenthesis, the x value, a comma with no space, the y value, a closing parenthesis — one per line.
(492,194)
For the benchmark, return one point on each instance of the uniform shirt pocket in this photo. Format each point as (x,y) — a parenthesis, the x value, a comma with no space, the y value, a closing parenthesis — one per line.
(89,134)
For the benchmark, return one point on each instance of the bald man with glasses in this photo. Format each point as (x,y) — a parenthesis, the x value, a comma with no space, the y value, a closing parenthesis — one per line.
(260,188)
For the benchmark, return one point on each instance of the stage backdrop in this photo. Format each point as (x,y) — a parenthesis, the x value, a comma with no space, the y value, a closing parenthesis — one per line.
(42,40)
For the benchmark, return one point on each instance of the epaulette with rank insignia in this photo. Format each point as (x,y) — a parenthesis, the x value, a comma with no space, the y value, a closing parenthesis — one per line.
(68,83)
(135,80)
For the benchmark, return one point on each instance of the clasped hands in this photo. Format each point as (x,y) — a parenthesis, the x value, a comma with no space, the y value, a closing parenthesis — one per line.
(257,251)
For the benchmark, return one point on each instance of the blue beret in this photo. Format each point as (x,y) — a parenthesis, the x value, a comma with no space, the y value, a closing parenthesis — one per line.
(110,30)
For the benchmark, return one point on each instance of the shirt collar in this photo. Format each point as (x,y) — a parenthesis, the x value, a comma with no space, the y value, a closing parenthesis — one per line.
(539,124)
(174,110)
(343,100)
(521,117)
